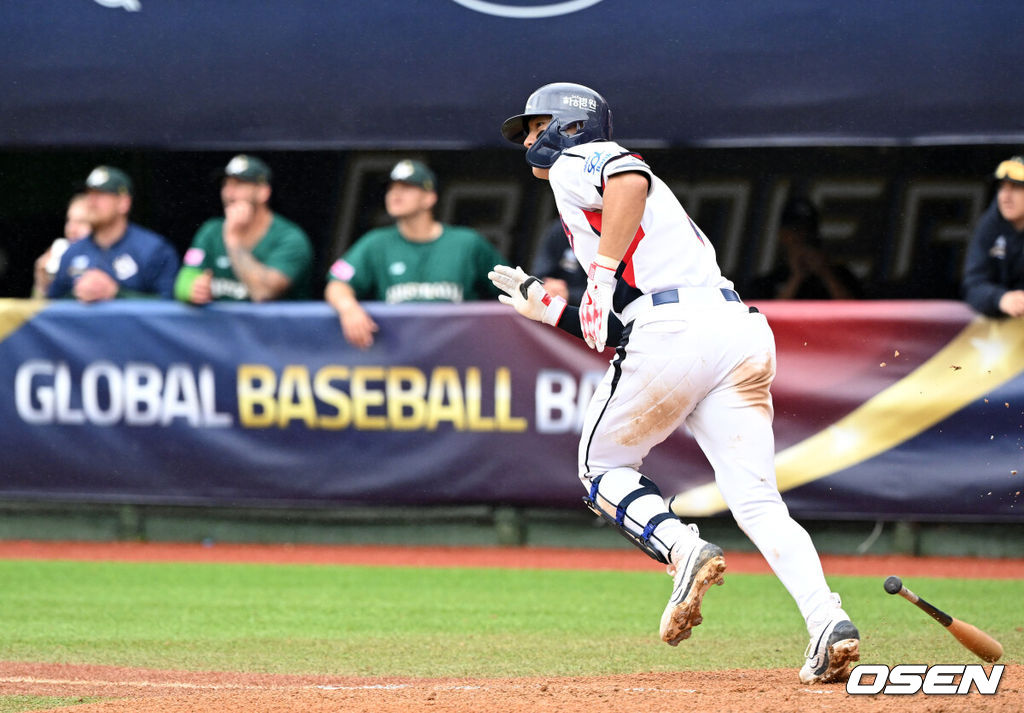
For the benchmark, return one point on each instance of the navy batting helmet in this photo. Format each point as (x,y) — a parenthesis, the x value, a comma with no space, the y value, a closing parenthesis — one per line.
(569,105)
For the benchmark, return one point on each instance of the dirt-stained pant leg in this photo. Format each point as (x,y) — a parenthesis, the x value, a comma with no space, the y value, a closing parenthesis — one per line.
(653,383)
(733,426)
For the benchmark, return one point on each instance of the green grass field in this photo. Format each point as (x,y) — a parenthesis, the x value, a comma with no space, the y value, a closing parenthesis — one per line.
(452,622)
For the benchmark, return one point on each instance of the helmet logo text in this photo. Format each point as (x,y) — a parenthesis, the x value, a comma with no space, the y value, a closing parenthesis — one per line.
(578,102)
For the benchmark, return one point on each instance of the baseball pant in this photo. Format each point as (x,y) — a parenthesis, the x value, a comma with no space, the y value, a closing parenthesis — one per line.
(709,366)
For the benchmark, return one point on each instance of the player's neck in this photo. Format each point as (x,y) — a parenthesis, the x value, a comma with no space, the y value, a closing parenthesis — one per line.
(420,228)
(106,235)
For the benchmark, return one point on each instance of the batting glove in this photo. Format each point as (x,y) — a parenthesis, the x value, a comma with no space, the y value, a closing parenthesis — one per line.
(526,294)
(597,302)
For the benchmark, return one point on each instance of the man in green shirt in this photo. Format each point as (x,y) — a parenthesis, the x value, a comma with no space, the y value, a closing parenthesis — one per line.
(252,253)
(418,259)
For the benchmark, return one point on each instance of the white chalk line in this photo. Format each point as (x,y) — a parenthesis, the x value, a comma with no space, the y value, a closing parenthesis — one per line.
(184,685)
(142,684)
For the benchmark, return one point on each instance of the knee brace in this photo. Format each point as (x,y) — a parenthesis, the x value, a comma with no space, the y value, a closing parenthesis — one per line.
(636,507)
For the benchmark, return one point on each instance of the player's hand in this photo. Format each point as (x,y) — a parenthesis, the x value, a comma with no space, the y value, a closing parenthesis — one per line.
(95,285)
(597,303)
(1012,303)
(42,277)
(526,295)
(202,291)
(358,326)
(237,217)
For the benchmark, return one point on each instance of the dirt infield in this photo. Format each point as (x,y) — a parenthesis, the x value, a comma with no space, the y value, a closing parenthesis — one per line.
(149,691)
(143,691)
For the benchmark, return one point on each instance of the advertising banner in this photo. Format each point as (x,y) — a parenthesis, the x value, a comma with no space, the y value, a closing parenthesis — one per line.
(882,409)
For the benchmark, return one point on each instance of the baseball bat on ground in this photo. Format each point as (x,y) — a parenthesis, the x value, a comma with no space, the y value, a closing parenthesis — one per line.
(973,638)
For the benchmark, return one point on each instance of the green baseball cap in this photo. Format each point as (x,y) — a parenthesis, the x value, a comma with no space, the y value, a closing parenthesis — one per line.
(247,168)
(415,173)
(108,179)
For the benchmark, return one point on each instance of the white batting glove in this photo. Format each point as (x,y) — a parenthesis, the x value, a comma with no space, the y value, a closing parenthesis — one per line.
(597,302)
(526,294)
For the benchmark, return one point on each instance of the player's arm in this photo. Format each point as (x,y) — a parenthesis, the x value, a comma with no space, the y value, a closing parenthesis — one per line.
(292,258)
(528,297)
(263,282)
(357,326)
(625,198)
(165,264)
(62,283)
(192,284)
(195,276)
(569,322)
(41,277)
(624,202)
(980,285)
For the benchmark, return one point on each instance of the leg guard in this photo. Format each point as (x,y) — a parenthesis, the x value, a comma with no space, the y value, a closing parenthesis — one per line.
(635,506)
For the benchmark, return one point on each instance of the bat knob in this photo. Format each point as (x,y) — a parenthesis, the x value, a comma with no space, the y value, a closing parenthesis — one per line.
(893,584)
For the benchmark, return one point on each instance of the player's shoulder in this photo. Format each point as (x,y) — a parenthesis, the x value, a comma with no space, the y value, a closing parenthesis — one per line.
(593,158)
(462,234)
(145,237)
(80,247)
(590,151)
(288,226)
(377,236)
(211,224)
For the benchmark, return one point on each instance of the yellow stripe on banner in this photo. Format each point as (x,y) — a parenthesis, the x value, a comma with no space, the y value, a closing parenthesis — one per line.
(985,355)
(15,312)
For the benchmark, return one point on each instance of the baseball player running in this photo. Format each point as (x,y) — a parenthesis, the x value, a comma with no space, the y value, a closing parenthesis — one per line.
(687,350)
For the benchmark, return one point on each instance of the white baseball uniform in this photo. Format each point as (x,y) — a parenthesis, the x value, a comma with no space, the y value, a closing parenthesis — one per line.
(691,353)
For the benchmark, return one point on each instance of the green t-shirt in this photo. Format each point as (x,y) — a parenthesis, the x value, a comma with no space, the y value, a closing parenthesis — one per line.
(384,266)
(284,247)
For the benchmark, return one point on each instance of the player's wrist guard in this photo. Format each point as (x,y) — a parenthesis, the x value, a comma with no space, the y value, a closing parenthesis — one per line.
(526,295)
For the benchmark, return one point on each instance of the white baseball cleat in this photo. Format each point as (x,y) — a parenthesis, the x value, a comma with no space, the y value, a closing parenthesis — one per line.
(691,578)
(830,651)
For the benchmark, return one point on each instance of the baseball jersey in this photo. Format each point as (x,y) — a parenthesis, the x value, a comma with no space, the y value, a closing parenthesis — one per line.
(994,262)
(384,266)
(285,247)
(142,262)
(668,250)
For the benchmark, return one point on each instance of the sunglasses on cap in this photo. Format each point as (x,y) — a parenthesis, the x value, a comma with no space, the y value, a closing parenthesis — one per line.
(1011,169)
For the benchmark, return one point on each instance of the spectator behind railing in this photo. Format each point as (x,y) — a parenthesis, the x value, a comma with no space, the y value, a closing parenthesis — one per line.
(76,227)
(118,258)
(252,253)
(418,259)
(805,272)
(993,282)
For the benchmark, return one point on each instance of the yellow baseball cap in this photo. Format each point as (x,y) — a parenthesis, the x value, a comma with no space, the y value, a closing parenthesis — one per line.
(1012,169)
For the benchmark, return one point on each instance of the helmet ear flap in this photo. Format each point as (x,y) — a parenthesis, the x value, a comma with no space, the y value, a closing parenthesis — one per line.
(552,141)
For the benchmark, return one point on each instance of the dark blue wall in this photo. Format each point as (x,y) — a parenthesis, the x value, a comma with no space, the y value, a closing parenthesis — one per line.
(392,73)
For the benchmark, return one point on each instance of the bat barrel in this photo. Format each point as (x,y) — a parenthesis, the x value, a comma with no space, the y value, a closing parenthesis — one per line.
(973,638)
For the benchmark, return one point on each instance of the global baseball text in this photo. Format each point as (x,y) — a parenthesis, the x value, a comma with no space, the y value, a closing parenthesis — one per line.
(332,397)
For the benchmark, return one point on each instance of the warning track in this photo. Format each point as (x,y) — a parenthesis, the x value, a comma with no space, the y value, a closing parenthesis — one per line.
(505,557)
